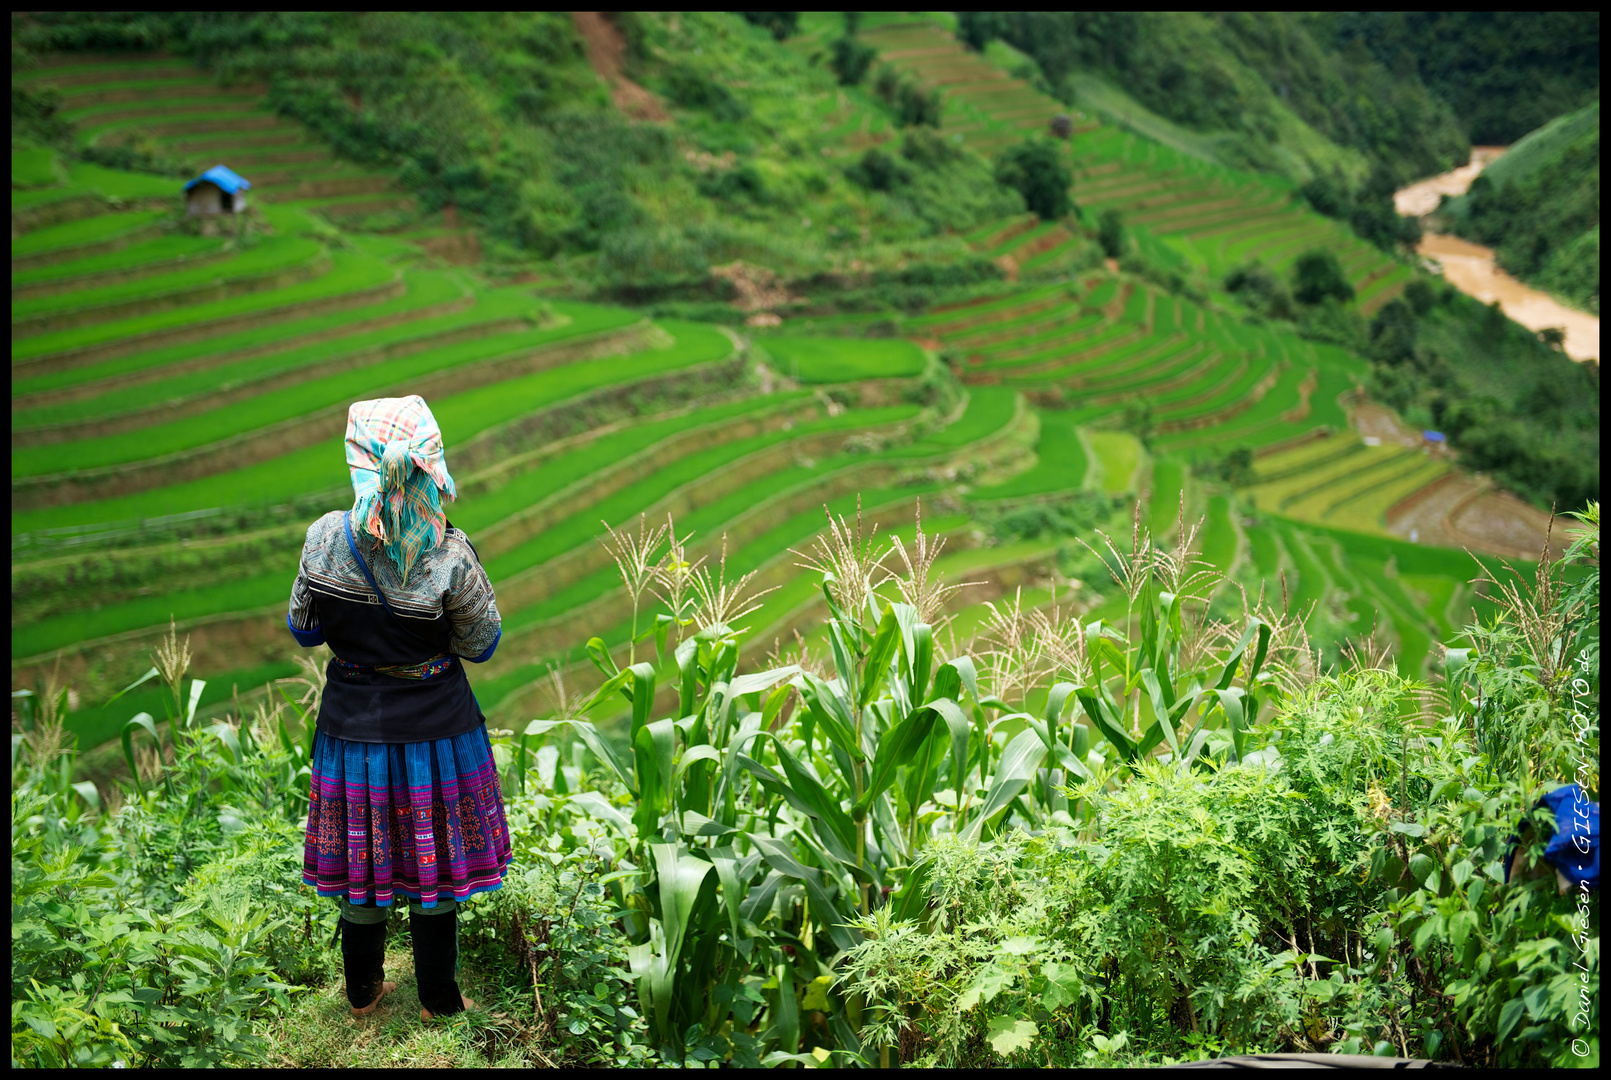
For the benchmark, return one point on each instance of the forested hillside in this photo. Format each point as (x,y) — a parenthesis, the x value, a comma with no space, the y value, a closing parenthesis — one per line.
(1291,103)
(1539,206)
(501,117)
(1503,73)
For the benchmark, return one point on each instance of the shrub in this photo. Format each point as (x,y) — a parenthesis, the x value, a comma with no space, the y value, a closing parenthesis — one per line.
(692,89)
(911,104)
(1110,233)
(977,29)
(1318,276)
(781,24)
(850,59)
(1344,886)
(877,171)
(1035,170)
(928,150)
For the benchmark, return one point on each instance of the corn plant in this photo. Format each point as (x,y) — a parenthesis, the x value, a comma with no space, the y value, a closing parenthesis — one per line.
(772,812)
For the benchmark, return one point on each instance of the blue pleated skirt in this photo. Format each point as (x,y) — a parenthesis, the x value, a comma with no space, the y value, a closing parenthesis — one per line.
(420,820)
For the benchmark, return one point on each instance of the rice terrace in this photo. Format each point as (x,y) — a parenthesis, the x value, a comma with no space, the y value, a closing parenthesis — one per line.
(1009,550)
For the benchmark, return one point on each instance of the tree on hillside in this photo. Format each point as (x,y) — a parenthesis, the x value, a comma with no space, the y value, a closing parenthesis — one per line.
(1110,233)
(979,28)
(782,24)
(1036,171)
(1318,276)
(850,60)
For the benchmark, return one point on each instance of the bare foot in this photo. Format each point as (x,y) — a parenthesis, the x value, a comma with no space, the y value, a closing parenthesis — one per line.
(385,988)
(426,1014)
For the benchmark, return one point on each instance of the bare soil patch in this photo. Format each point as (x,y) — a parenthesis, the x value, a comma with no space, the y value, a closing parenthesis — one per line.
(605,47)
(1306,390)
(1500,523)
(1419,517)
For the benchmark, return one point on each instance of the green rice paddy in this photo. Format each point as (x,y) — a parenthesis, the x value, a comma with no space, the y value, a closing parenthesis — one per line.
(1044,368)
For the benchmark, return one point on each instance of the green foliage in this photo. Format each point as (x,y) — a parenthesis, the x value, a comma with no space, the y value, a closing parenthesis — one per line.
(780,24)
(976,29)
(1544,222)
(689,87)
(1341,887)
(1110,233)
(1035,169)
(878,171)
(910,103)
(1317,276)
(1369,209)
(1073,516)
(128,942)
(1261,290)
(1503,72)
(1537,434)
(1288,95)
(850,58)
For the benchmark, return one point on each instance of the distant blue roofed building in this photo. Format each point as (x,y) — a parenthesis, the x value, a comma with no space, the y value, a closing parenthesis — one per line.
(219,190)
(1433,436)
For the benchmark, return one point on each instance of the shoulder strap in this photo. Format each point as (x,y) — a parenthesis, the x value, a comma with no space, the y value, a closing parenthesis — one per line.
(352,545)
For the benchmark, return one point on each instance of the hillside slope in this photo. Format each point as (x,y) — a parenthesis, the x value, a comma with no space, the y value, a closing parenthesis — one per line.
(1285,102)
(1539,206)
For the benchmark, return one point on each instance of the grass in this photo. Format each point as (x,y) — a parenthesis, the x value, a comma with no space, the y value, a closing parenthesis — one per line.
(276,254)
(350,272)
(1220,535)
(1168,479)
(35,168)
(625,504)
(427,288)
(423,289)
(838,360)
(1118,454)
(555,474)
(322,467)
(83,232)
(1061,463)
(274,406)
(990,408)
(159,253)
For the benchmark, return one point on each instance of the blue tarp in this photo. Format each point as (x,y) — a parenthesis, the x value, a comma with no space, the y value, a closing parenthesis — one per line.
(1574,849)
(224,178)
(1433,436)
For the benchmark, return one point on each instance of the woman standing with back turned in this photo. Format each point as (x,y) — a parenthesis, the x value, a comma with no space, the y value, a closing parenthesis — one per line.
(405,798)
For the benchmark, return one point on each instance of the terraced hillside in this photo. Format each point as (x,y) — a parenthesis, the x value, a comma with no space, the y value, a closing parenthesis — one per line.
(178,403)
(1207,216)
(168,106)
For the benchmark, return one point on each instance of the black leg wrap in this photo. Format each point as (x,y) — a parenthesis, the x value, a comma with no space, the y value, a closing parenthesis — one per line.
(436,956)
(363,956)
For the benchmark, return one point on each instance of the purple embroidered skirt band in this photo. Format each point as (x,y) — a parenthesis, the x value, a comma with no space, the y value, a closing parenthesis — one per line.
(422,820)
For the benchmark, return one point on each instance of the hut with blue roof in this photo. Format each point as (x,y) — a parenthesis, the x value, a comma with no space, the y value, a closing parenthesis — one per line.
(219,190)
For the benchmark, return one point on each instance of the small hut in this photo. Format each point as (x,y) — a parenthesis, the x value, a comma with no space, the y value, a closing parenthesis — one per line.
(219,190)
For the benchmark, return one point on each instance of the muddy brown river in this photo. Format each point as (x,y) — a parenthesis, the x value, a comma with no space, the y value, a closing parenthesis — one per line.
(1471,268)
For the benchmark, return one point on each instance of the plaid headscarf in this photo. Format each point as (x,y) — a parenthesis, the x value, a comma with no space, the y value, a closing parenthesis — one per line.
(394,452)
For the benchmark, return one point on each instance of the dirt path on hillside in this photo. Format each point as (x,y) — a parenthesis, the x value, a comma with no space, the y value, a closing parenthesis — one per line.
(605,48)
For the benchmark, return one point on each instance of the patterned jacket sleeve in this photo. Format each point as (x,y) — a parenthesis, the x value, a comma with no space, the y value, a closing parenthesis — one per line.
(303,617)
(470,605)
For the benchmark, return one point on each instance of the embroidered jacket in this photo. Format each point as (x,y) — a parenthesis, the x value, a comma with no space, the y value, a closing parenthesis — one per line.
(443,613)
